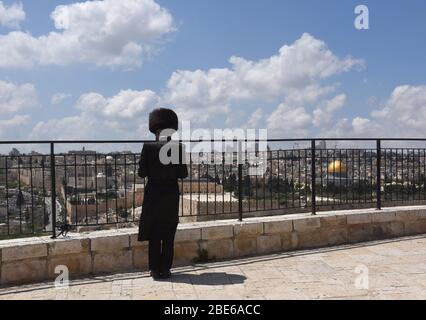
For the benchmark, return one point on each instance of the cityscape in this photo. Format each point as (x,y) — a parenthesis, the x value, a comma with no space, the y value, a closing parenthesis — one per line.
(95,189)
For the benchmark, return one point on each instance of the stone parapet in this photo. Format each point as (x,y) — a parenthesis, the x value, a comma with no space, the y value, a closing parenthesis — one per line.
(38,259)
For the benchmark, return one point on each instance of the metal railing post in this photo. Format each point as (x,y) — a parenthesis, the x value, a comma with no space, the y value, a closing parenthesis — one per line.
(379,175)
(240,181)
(53,188)
(314,178)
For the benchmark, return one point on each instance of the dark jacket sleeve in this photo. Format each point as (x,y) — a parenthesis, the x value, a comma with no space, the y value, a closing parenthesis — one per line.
(143,164)
(183,169)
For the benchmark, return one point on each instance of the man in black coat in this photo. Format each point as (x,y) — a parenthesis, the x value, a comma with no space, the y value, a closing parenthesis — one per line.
(160,210)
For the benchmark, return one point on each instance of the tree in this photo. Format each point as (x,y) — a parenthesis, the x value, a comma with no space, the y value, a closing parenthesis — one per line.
(20,201)
(225,183)
(108,170)
(122,212)
(247,191)
(230,184)
(233,183)
(270,185)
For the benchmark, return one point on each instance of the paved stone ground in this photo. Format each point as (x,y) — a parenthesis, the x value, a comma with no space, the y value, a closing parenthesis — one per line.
(396,270)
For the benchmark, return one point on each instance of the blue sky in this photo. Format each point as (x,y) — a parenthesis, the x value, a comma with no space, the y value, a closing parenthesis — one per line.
(203,35)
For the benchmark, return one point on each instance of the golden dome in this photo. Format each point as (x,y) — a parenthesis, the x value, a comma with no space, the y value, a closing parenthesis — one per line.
(337,167)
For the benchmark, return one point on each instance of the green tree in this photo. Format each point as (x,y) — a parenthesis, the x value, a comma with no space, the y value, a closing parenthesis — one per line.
(123,213)
(20,201)
(247,189)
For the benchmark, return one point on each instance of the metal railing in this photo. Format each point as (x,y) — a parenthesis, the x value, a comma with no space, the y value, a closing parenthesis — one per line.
(52,192)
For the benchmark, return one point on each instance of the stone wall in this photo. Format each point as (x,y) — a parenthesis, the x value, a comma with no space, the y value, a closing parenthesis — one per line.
(35,259)
(200,187)
(79,212)
(191,207)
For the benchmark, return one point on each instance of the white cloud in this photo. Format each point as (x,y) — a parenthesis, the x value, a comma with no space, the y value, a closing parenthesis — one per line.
(105,33)
(294,75)
(289,121)
(57,98)
(14,98)
(255,117)
(124,115)
(361,126)
(403,114)
(127,104)
(10,127)
(323,115)
(294,80)
(11,16)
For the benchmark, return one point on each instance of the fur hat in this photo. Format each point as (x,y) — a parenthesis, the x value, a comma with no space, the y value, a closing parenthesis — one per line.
(161,119)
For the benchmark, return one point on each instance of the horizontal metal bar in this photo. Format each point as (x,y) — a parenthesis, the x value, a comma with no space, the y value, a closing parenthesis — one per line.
(207,140)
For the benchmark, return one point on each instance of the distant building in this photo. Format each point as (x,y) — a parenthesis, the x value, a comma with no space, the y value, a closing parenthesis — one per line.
(82,152)
(322,145)
(200,186)
(337,174)
(14,153)
(36,177)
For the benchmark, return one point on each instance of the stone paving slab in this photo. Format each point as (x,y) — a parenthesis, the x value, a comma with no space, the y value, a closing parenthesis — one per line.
(396,270)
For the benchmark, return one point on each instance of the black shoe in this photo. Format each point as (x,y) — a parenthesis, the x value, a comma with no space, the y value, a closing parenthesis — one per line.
(155,275)
(166,275)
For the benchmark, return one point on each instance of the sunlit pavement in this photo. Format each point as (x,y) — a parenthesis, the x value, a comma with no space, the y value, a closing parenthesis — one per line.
(389,269)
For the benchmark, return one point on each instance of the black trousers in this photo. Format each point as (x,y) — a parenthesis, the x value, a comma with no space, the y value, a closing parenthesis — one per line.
(161,246)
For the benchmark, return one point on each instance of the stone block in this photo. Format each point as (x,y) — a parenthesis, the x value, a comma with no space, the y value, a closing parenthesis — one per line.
(68,246)
(306,224)
(24,251)
(379,217)
(268,244)
(309,240)
(405,216)
(190,234)
(294,240)
(415,227)
(217,232)
(134,242)
(25,271)
(421,214)
(335,236)
(219,249)
(140,257)
(359,218)
(77,264)
(185,253)
(110,243)
(118,261)
(244,246)
(396,229)
(337,221)
(248,230)
(360,233)
(286,241)
(274,227)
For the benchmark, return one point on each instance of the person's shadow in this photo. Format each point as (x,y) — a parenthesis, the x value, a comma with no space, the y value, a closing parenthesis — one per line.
(208,278)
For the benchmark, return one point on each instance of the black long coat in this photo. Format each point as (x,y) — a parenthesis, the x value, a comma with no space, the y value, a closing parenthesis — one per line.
(160,209)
